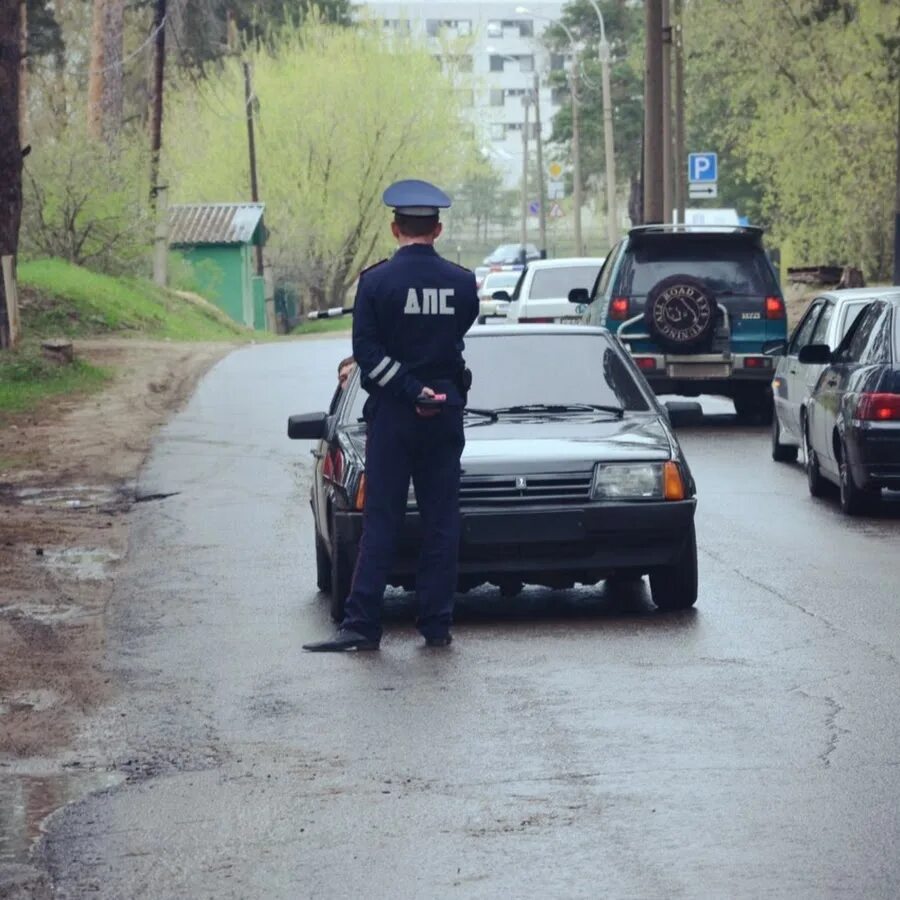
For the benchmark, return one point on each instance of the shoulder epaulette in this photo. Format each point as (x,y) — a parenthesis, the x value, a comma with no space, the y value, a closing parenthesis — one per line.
(373,266)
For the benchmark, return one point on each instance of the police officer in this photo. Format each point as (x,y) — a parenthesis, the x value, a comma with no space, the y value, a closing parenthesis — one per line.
(409,318)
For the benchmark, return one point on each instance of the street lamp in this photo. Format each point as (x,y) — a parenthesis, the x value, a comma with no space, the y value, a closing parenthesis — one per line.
(604,57)
(576,116)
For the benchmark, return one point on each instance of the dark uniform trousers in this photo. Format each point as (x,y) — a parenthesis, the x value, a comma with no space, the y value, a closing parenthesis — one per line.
(401,445)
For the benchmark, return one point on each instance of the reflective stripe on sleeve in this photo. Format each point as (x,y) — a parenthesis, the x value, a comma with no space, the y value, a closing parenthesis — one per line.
(380,367)
(391,372)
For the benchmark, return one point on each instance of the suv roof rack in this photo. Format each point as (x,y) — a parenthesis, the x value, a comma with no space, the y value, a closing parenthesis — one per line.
(681,229)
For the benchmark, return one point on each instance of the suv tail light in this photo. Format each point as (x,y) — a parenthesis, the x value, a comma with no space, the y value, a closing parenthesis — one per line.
(878,407)
(618,309)
(645,363)
(774,308)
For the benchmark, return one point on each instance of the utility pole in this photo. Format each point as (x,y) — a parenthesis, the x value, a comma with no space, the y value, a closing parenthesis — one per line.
(158,209)
(10,169)
(678,95)
(653,170)
(576,154)
(525,101)
(542,205)
(897,195)
(251,147)
(667,149)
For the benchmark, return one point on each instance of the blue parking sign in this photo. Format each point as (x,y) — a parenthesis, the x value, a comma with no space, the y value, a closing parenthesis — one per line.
(703,167)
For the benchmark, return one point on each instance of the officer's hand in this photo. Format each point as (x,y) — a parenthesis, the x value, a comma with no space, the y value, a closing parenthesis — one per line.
(427,411)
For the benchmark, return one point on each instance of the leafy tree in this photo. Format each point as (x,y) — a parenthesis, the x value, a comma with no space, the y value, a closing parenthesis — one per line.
(341,115)
(801,95)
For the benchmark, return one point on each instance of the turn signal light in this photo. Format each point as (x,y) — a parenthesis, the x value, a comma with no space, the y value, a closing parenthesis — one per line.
(645,363)
(774,308)
(618,309)
(673,483)
(878,407)
(359,501)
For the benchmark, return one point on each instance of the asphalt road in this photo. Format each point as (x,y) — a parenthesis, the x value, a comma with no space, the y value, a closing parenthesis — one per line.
(569,744)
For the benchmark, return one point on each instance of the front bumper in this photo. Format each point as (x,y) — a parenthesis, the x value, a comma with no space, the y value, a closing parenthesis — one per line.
(874,453)
(547,545)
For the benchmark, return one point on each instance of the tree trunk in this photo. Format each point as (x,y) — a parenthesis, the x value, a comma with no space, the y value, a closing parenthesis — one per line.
(105,78)
(95,72)
(10,147)
(23,72)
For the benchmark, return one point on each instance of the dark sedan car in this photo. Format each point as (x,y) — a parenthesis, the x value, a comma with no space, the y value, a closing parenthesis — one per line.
(852,423)
(571,472)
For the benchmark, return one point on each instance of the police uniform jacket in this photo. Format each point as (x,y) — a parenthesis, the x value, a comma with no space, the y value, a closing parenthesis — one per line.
(409,319)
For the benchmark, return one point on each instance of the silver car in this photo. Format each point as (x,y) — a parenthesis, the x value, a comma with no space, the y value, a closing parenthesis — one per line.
(826,321)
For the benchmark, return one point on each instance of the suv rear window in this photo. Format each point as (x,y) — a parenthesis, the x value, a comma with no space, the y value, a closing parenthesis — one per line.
(555,284)
(726,266)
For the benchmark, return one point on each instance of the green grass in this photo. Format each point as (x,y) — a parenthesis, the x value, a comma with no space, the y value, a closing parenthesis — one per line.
(322,326)
(26,378)
(59,298)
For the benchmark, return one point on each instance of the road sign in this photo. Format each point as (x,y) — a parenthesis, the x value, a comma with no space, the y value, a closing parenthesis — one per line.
(556,211)
(556,189)
(703,191)
(534,207)
(703,167)
(554,170)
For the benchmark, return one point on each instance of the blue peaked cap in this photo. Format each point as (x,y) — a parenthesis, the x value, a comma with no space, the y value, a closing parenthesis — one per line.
(415,198)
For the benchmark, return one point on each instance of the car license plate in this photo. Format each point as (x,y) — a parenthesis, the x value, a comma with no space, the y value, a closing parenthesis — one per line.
(698,370)
(570,320)
(516,529)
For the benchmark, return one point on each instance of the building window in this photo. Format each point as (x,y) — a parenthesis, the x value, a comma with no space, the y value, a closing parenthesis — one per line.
(458,27)
(497,63)
(557,62)
(463,63)
(398,26)
(498,131)
(464,27)
(498,96)
(558,96)
(494,28)
(526,28)
(526,63)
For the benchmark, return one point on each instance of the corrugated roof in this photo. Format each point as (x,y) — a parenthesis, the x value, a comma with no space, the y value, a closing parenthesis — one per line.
(213,223)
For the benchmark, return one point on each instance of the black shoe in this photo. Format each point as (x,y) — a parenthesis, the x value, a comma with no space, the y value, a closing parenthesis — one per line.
(443,641)
(344,640)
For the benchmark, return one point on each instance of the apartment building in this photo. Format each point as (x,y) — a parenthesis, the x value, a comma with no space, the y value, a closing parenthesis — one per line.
(500,53)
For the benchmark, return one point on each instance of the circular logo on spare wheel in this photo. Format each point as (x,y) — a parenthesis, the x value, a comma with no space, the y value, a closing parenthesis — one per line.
(682,313)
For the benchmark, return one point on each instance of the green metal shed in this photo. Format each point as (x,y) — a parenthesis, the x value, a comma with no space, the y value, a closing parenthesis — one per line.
(217,240)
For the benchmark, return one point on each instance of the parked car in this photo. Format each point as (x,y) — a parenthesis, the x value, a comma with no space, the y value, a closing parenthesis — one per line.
(541,295)
(565,479)
(851,429)
(490,306)
(506,257)
(697,307)
(826,321)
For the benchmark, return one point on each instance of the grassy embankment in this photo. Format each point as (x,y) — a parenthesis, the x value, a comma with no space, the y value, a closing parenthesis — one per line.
(324,326)
(63,300)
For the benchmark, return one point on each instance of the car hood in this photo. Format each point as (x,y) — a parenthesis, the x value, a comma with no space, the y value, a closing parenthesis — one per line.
(529,444)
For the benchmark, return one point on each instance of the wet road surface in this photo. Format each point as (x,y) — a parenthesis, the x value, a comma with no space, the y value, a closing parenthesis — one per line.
(569,744)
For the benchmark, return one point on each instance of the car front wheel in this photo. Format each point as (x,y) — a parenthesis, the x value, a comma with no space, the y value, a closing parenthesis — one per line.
(675,586)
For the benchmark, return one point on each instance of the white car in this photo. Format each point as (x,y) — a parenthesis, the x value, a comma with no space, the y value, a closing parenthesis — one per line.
(488,307)
(826,321)
(542,293)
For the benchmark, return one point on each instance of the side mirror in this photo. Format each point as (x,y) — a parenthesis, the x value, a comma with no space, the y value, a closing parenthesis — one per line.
(684,412)
(307,427)
(815,354)
(774,348)
(501,295)
(579,295)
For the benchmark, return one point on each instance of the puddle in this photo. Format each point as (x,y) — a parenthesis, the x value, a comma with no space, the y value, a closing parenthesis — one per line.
(81,563)
(26,800)
(76,496)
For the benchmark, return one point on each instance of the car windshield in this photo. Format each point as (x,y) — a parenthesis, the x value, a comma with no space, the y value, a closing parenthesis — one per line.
(555,283)
(726,266)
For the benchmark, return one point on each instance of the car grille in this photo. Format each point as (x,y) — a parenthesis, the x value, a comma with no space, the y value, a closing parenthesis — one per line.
(545,489)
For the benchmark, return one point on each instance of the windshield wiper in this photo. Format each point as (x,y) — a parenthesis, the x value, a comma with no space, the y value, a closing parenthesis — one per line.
(487,413)
(617,411)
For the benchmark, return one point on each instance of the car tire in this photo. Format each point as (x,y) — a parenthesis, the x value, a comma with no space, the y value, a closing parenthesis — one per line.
(671,293)
(781,452)
(342,567)
(754,406)
(675,587)
(814,480)
(855,501)
(323,566)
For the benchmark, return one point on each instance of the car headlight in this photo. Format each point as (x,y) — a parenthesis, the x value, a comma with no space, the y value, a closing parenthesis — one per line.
(638,481)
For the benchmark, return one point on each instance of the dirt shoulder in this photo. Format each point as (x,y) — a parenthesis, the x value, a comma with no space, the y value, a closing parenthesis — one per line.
(65,489)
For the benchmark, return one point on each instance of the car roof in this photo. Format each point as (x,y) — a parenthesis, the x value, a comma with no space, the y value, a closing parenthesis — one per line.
(885,292)
(566,262)
(519,330)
